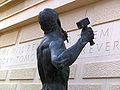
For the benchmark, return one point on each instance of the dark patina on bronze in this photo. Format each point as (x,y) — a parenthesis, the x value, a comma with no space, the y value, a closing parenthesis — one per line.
(53,58)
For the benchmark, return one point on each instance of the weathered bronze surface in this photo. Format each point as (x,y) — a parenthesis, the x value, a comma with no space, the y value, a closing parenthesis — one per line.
(53,57)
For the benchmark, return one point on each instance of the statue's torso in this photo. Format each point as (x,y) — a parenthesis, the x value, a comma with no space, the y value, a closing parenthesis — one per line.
(53,79)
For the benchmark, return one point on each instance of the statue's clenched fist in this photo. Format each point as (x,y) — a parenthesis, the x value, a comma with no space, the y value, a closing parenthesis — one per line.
(87,34)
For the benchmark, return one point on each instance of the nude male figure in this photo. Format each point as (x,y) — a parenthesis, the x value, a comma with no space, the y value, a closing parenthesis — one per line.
(53,57)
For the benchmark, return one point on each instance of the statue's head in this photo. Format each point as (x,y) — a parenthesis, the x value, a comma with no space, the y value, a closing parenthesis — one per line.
(49,21)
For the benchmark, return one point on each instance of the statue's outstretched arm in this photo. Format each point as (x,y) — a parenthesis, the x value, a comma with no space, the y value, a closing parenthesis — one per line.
(62,57)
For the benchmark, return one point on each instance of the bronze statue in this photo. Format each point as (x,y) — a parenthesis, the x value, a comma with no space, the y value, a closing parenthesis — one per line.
(53,57)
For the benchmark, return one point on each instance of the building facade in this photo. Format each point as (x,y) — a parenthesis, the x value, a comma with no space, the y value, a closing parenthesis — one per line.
(97,67)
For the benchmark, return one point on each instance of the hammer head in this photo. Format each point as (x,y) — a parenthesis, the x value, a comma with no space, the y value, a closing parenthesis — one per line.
(83,23)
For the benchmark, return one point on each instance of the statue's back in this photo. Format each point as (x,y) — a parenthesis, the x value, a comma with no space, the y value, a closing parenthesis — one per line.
(51,77)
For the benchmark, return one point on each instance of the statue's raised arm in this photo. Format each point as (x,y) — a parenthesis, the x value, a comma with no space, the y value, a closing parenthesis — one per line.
(62,57)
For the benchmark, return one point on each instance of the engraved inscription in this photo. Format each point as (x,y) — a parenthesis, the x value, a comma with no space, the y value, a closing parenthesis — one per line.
(19,55)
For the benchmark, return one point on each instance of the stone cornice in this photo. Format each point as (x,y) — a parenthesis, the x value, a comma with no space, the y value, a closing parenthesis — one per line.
(5,4)
(22,10)
(29,14)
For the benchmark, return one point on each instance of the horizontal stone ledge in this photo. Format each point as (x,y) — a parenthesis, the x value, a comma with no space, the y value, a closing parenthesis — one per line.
(75,86)
(30,86)
(22,74)
(101,70)
(84,86)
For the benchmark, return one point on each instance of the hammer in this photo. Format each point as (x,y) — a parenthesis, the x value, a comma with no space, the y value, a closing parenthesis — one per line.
(82,24)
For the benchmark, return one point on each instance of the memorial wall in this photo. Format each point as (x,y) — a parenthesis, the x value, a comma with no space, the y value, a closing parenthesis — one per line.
(97,67)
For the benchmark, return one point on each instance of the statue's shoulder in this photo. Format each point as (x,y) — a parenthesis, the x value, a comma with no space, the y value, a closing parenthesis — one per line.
(44,43)
(57,43)
(40,45)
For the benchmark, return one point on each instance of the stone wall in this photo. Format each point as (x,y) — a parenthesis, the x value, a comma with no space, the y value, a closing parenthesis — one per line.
(97,67)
